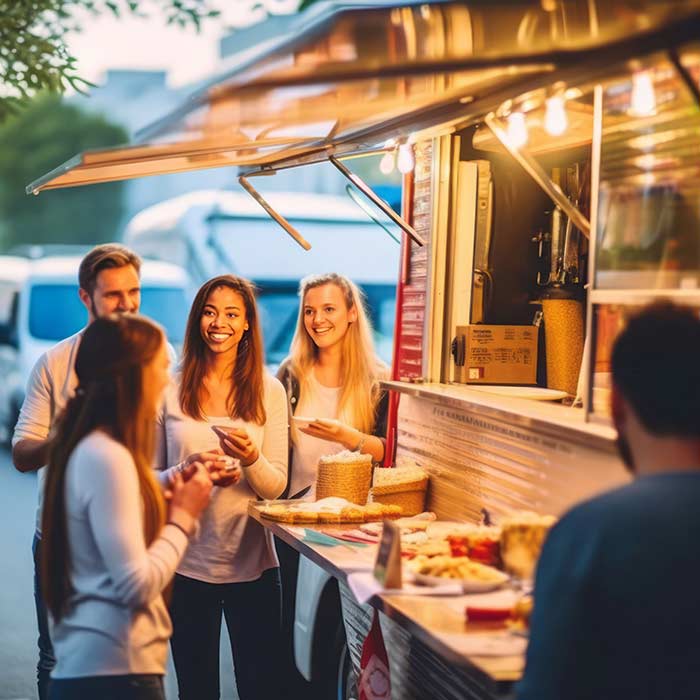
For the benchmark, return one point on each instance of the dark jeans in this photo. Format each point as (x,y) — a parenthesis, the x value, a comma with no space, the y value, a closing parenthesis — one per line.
(47,660)
(131,687)
(252,612)
(295,685)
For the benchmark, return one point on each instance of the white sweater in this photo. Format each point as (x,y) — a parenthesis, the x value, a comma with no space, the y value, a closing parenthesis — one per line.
(51,384)
(117,622)
(229,547)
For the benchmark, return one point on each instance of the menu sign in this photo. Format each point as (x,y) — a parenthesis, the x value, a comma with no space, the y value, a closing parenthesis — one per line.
(387,567)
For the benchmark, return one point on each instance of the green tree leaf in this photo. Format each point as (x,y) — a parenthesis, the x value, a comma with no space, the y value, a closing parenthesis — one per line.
(34,54)
(34,141)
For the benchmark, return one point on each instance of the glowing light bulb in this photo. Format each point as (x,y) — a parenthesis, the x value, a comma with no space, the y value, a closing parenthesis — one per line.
(517,129)
(386,164)
(643,99)
(555,119)
(406,161)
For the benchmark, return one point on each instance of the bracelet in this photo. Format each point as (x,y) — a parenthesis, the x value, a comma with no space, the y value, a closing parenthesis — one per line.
(360,444)
(179,527)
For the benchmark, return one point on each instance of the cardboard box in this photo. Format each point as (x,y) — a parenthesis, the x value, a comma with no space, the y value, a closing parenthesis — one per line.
(496,354)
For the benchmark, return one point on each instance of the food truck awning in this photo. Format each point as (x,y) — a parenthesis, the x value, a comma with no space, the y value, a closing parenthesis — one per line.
(347,76)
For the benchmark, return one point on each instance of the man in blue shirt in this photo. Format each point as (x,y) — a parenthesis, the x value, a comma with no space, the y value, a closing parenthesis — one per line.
(617,601)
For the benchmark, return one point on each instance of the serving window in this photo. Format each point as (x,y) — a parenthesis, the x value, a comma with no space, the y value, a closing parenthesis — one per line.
(581,204)
(522,322)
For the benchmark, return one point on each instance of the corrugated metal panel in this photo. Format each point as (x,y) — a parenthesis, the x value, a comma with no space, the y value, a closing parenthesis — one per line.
(477,462)
(417,672)
(414,292)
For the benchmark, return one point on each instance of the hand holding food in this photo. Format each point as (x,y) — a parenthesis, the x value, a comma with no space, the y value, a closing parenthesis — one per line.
(192,496)
(203,457)
(224,471)
(235,442)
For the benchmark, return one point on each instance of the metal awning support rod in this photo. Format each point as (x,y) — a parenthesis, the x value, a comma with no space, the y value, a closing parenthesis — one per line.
(685,76)
(377,200)
(245,184)
(539,175)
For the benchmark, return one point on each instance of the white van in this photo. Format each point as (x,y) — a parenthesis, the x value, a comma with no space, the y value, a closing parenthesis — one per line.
(14,271)
(214,232)
(46,308)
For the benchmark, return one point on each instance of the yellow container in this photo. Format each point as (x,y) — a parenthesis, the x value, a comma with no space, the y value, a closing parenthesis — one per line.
(404,487)
(345,475)
(410,502)
(563,327)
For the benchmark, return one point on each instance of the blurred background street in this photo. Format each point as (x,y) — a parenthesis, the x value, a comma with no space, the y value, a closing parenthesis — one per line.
(18,629)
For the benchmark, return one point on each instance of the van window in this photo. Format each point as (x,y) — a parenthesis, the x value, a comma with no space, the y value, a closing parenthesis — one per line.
(7,296)
(56,312)
(168,306)
(278,319)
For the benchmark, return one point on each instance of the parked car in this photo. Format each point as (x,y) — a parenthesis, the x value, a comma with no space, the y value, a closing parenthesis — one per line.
(41,306)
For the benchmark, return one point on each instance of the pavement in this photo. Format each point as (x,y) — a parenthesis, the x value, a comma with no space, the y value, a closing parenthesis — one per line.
(17,617)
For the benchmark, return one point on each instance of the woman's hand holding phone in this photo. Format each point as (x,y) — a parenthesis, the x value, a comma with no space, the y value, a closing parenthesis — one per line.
(235,442)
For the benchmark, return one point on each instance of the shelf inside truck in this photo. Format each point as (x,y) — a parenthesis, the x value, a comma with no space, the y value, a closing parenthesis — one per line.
(545,416)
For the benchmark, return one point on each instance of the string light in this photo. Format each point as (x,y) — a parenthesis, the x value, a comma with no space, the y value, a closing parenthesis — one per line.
(406,160)
(643,98)
(555,119)
(517,129)
(386,164)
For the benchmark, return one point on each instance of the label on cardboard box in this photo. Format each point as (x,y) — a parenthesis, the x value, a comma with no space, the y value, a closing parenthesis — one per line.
(499,355)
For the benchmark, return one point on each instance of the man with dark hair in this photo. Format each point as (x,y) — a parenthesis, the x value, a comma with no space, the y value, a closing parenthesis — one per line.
(109,283)
(616,593)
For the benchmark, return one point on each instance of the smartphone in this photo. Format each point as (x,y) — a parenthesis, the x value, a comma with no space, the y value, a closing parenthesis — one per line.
(220,431)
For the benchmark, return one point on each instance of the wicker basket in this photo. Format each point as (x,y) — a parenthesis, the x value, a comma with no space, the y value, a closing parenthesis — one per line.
(399,487)
(346,475)
(411,502)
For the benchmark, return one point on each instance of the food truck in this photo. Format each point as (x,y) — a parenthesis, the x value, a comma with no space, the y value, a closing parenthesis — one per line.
(551,151)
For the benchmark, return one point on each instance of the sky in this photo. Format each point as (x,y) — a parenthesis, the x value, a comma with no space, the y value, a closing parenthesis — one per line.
(108,42)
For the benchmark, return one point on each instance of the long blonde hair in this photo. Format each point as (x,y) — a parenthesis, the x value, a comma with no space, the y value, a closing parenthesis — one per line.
(361,369)
(112,367)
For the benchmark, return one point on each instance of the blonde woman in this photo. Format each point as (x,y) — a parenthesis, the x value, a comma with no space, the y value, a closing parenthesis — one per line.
(111,542)
(332,377)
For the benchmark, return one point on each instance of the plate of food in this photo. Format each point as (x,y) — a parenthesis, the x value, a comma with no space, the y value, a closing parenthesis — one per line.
(474,577)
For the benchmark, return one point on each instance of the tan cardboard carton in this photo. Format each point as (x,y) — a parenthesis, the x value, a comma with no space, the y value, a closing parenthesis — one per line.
(496,354)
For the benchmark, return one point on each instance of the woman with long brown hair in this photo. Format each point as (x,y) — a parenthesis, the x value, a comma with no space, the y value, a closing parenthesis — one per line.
(222,399)
(111,542)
